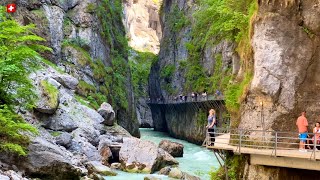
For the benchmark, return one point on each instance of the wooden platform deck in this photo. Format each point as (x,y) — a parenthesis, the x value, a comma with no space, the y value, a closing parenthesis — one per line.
(222,142)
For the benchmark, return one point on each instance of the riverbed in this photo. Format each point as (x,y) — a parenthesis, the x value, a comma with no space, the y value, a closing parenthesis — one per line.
(196,160)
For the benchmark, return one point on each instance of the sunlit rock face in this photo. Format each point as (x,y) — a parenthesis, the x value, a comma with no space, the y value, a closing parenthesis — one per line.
(143,24)
(286,66)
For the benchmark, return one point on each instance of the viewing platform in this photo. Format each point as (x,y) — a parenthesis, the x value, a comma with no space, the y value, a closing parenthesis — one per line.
(269,148)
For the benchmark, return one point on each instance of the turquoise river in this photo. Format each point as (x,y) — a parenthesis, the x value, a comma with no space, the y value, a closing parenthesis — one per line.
(196,160)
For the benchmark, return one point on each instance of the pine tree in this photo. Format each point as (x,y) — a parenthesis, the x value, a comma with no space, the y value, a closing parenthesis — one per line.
(19,55)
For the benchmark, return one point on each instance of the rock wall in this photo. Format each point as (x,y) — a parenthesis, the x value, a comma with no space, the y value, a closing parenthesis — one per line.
(74,32)
(286,60)
(186,120)
(173,52)
(143,24)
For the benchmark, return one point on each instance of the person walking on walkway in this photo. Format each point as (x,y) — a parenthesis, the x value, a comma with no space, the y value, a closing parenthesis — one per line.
(302,124)
(211,126)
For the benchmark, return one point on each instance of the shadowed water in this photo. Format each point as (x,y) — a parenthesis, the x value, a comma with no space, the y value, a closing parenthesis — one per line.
(196,160)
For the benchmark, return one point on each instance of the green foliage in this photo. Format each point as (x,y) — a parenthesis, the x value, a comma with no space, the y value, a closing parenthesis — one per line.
(51,64)
(55,133)
(110,15)
(201,118)
(235,91)
(140,69)
(167,71)
(51,92)
(91,7)
(308,31)
(234,165)
(18,50)
(84,88)
(176,19)
(11,127)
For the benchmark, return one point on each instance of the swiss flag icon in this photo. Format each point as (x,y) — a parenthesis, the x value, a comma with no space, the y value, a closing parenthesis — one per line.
(11,8)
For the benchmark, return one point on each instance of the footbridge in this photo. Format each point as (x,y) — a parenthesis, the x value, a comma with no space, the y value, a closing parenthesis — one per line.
(185,117)
(269,148)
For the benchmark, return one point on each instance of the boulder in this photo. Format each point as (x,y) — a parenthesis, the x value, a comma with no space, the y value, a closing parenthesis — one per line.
(165,171)
(105,152)
(81,146)
(48,159)
(67,81)
(151,178)
(143,156)
(97,167)
(173,148)
(48,98)
(115,166)
(61,121)
(187,176)
(175,173)
(107,112)
(64,139)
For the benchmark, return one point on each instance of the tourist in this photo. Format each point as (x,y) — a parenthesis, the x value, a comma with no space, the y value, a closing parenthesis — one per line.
(185,98)
(302,124)
(181,96)
(204,95)
(211,126)
(192,96)
(316,131)
(195,96)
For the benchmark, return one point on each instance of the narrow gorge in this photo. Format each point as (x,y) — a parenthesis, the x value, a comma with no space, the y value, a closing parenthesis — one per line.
(80,78)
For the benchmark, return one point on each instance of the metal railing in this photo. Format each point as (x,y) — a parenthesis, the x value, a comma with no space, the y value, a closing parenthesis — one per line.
(261,140)
(184,99)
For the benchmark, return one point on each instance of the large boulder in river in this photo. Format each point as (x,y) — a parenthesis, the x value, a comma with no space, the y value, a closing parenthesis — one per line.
(173,148)
(107,112)
(143,156)
(97,167)
(49,160)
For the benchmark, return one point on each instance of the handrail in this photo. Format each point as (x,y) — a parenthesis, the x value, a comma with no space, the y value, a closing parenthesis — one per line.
(185,99)
(261,139)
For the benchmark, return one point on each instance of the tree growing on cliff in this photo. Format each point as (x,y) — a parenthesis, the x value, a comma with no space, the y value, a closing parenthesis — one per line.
(18,57)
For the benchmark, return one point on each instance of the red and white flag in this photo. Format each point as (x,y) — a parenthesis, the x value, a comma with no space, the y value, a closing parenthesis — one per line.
(11,8)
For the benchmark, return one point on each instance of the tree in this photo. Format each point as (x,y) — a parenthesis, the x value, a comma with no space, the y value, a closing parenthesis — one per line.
(19,55)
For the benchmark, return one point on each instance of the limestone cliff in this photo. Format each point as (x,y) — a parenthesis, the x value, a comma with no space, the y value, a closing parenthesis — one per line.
(286,60)
(168,75)
(143,24)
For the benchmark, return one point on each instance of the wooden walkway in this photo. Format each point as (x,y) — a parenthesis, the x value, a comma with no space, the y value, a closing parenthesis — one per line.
(222,142)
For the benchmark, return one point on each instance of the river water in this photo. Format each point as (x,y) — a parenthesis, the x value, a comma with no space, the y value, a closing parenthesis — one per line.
(196,160)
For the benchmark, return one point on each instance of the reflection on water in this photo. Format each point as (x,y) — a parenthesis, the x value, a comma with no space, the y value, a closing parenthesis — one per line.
(196,160)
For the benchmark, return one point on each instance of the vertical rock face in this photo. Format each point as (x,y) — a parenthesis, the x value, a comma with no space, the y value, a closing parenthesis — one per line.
(286,66)
(143,24)
(174,53)
(74,32)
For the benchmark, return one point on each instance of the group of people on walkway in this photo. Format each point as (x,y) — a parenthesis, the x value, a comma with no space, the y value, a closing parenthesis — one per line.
(305,139)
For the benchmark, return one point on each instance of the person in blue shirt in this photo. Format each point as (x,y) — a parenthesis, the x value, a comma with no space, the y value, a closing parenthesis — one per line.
(211,126)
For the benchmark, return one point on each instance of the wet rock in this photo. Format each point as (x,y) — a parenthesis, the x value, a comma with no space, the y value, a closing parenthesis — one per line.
(151,178)
(64,139)
(175,173)
(97,167)
(67,81)
(165,171)
(187,176)
(107,112)
(115,166)
(96,176)
(143,156)
(173,148)
(44,154)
